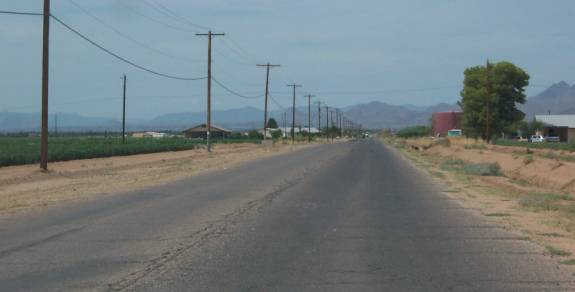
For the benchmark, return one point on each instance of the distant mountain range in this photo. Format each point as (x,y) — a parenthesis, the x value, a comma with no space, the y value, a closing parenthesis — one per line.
(557,99)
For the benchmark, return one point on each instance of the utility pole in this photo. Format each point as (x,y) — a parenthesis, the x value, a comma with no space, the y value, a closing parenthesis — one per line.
(293,113)
(285,124)
(331,122)
(124,113)
(487,101)
(319,118)
(337,120)
(326,122)
(268,66)
(309,96)
(210,36)
(341,125)
(56,124)
(45,87)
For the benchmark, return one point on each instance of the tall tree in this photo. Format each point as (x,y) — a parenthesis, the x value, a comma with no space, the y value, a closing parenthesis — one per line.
(272,124)
(490,96)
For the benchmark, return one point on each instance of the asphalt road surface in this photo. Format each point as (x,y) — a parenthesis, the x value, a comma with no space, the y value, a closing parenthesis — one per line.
(341,217)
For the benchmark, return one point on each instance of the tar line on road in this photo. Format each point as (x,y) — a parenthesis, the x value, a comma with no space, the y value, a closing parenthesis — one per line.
(342,217)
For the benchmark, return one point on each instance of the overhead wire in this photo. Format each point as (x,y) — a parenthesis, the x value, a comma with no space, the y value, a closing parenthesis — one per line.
(169,76)
(234,92)
(134,11)
(21,13)
(163,9)
(275,101)
(126,36)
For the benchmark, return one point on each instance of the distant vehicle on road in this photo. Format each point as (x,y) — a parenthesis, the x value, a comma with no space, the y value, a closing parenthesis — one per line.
(536,139)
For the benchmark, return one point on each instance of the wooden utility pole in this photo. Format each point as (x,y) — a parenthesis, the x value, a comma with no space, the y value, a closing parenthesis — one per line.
(210,36)
(309,96)
(331,122)
(326,122)
(268,66)
(337,120)
(285,124)
(341,125)
(487,101)
(45,87)
(293,113)
(56,124)
(319,118)
(124,112)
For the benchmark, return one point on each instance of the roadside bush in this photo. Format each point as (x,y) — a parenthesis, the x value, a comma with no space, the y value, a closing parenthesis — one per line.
(528,159)
(475,146)
(544,202)
(443,142)
(414,132)
(483,169)
(452,164)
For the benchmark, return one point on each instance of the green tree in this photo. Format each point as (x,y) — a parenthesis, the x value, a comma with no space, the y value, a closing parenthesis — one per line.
(489,98)
(527,129)
(276,134)
(272,124)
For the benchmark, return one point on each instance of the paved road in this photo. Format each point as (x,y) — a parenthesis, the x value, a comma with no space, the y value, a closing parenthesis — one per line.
(346,217)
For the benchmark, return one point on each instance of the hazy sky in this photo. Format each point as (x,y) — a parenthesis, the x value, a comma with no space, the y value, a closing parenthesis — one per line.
(345,52)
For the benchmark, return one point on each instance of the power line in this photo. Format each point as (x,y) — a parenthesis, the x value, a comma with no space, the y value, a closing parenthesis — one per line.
(234,92)
(122,58)
(170,13)
(134,11)
(20,13)
(276,102)
(126,36)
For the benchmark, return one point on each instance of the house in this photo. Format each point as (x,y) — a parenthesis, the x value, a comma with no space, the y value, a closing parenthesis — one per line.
(200,132)
(562,126)
(286,132)
(149,135)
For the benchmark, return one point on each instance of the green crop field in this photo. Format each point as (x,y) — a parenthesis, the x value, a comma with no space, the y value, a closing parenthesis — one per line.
(26,150)
(552,146)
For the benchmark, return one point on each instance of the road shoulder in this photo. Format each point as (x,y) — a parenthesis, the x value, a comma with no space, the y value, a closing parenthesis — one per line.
(498,198)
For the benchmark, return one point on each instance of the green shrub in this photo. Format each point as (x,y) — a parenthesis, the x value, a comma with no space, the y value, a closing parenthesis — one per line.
(452,164)
(443,142)
(528,159)
(414,132)
(545,201)
(483,169)
(475,146)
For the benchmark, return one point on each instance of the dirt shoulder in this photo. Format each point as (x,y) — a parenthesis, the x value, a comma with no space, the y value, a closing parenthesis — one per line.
(532,191)
(24,189)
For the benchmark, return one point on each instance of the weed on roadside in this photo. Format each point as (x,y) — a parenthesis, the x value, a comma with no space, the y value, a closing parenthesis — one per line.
(483,169)
(545,202)
(557,252)
(443,142)
(520,182)
(497,215)
(570,262)
(475,146)
(528,159)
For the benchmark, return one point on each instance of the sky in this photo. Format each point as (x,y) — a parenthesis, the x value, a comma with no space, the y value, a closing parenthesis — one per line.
(343,52)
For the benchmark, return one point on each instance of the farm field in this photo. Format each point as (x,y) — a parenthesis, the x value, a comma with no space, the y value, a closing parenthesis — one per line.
(552,146)
(26,150)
